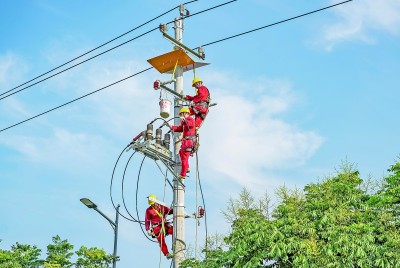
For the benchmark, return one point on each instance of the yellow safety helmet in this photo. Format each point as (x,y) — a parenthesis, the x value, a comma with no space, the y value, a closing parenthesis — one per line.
(184,110)
(152,199)
(195,80)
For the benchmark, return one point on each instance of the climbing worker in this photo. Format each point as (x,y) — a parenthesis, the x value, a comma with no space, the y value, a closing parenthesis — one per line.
(156,224)
(200,102)
(187,126)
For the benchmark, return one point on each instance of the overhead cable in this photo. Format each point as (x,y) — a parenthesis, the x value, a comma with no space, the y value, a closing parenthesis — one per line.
(137,210)
(81,97)
(95,56)
(211,43)
(208,9)
(273,24)
(106,43)
(73,66)
(111,185)
(122,189)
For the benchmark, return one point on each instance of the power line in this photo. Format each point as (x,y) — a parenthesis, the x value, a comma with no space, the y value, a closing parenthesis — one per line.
(279,22)
(208,9)
(112,40)
(224,39)
(106,51)
(73,66)
(81,97)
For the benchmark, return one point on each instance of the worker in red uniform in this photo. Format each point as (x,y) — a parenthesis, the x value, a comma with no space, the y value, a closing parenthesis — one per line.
(188,128)
(200,102)
(156,224)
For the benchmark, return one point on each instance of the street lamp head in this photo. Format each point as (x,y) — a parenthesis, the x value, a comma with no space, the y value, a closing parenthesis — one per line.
(88,203)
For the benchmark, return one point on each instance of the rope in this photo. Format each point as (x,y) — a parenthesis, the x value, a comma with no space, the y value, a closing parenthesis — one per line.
(160,260)
(162,216)
(173,73)
(204,205)
(196,213)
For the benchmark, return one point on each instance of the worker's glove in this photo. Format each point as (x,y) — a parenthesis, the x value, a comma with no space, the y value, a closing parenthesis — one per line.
(165,124)
(186,97)
(149,232)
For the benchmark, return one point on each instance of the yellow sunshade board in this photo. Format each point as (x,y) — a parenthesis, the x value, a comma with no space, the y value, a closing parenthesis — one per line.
(166,62)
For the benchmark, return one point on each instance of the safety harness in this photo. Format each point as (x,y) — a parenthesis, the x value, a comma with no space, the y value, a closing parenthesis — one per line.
(204,104)
(163,225)
(194,139)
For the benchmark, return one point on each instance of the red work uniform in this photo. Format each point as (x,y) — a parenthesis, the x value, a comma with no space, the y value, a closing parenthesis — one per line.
(200,104)
(188,141)
(155,218)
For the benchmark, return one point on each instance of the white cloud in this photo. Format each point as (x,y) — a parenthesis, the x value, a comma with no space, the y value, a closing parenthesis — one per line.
(11,69)
(359,18)
(61,149)
(245,139)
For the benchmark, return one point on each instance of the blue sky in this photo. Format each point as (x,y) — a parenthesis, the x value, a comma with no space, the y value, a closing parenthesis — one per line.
(294,101)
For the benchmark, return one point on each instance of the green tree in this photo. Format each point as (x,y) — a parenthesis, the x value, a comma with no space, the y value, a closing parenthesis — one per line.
(26,255)
(7,260)
(93,258)
(59,253)
(20,256)
(332,223)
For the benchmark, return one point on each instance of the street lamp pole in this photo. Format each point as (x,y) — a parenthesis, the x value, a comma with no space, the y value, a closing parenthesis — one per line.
(114,225)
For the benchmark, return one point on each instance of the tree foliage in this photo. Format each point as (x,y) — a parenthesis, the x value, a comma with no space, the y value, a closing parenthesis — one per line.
(331,223)
(93,258)
(59,255)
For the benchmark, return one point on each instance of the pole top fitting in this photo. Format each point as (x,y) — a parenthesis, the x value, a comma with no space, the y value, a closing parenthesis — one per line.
(163,28)
(200,50)
(183,12)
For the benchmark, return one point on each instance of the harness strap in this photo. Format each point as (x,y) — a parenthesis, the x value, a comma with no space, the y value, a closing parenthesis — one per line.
(162,220)
(202,103)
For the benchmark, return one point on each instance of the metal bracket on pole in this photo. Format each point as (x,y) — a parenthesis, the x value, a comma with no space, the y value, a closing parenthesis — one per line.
(179,96)
(172,187)
(172,172)
(200,55)
(158,84)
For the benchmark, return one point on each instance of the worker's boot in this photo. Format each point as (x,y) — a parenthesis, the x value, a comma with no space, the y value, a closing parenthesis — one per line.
(169,256)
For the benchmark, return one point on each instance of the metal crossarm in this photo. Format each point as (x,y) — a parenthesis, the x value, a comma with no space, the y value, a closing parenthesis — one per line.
(154,151)
(173,173)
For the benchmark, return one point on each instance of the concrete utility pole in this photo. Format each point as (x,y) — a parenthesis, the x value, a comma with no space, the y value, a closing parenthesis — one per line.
(179,191)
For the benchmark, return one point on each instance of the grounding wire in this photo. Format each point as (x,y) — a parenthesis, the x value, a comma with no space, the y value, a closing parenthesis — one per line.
(123,177)
(112,40)
(224,39)
(122,190)
(273,24)
(106,51)
(111,184)
(137,190)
